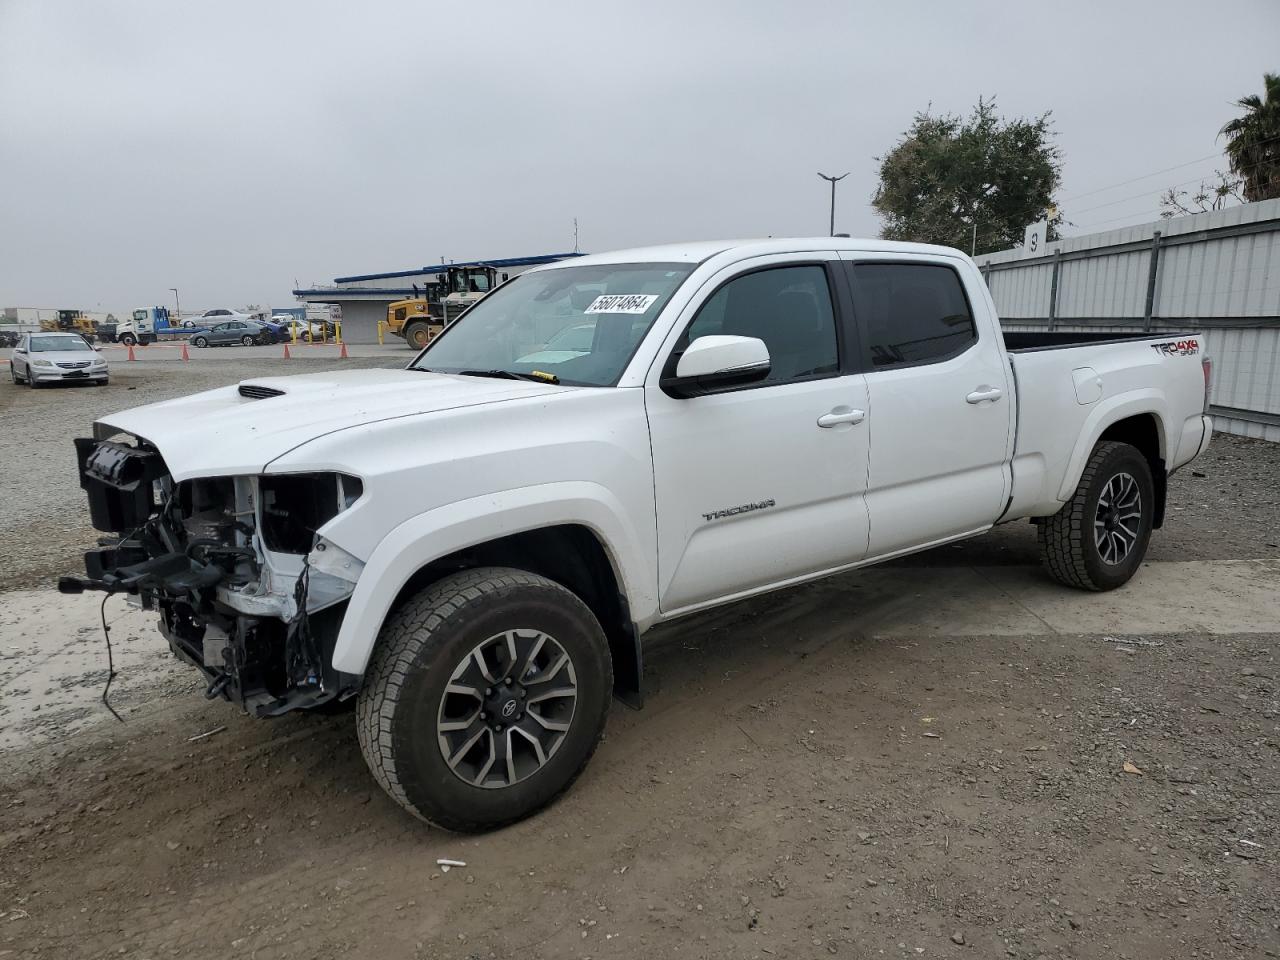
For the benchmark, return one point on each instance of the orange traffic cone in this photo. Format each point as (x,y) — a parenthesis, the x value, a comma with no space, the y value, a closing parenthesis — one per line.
(131,356)
(287,355)
(342,354)
(185,355)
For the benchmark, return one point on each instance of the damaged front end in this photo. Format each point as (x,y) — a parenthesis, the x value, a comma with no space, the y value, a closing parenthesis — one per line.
(246,588)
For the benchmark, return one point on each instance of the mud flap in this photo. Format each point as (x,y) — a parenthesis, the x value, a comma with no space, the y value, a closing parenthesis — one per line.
(628,665)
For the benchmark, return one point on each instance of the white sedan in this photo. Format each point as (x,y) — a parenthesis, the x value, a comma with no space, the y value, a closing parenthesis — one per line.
(41,358)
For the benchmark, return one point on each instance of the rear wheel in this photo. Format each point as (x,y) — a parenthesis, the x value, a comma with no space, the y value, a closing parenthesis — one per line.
(485,698)
(247,340)
(1099,538)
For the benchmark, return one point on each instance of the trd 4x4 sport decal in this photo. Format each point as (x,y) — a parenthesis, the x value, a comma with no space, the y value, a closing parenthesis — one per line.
(1178,348)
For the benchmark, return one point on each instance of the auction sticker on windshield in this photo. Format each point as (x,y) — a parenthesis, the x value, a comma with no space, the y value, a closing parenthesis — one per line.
(622,303)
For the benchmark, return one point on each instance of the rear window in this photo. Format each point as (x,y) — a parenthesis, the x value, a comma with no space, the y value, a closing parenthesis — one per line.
(911,313)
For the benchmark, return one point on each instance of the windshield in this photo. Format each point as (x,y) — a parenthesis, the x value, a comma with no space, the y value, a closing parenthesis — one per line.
(57,344)
(578,324)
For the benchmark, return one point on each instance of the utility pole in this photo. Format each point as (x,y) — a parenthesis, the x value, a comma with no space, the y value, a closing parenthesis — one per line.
(575,235)
(833,181)
(177,307)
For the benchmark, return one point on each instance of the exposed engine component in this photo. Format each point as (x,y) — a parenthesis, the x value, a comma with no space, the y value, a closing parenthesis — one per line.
(247,590)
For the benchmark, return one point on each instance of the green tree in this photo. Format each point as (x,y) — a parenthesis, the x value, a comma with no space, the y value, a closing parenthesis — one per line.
(1253,141)
(950,178)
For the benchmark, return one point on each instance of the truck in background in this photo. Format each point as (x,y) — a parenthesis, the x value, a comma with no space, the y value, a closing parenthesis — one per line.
(142,328)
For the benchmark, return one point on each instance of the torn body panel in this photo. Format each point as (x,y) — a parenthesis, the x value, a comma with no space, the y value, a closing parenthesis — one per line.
(247,589)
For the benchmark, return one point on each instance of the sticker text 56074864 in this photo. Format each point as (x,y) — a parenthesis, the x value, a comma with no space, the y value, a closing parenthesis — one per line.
(622,303)
(1178,348)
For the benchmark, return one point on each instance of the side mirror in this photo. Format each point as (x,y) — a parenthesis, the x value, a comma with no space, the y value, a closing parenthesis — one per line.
(712,364)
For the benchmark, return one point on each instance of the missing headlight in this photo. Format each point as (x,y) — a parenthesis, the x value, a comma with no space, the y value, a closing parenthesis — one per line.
(296,505)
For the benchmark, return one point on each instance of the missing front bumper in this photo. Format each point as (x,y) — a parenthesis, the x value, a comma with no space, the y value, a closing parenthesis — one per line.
(259,624)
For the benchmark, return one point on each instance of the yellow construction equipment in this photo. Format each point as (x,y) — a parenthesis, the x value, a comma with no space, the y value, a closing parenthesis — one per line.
(71,321)
(420,318)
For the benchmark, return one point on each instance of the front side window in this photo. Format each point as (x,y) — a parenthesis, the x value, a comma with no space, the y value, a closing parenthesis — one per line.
(789,308)
(576,324)
(911,312)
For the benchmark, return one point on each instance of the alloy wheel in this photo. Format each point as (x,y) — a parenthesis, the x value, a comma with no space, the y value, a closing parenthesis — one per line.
(507,708)
(1118,519)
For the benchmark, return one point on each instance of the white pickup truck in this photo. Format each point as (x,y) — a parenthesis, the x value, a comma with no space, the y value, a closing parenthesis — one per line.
(471,547)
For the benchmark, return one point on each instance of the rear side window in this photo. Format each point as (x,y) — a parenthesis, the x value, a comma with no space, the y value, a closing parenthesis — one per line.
(911,313)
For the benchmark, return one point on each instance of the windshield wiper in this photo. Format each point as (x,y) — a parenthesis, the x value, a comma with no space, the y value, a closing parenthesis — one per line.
(537,376)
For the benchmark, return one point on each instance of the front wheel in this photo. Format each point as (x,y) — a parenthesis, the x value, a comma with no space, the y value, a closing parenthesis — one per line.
(128,340)
(1099,538)
(200,342)
(485,698)
(417,335)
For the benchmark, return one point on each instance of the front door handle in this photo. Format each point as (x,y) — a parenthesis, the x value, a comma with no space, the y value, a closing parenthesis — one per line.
(985,393)
(841,415)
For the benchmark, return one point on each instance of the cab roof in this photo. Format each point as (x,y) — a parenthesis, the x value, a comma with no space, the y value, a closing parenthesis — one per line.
(701,250)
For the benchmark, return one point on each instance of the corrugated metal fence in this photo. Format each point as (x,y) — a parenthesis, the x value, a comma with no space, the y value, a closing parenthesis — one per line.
(1216,272)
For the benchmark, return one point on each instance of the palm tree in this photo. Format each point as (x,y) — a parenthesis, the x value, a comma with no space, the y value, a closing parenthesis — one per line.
(1253,141)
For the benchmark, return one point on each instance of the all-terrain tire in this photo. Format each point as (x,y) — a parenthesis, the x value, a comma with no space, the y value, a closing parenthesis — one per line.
(418,650)
(1067,544)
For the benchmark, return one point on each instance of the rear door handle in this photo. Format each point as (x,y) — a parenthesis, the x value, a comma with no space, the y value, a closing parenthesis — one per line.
(839,416)
(985,393)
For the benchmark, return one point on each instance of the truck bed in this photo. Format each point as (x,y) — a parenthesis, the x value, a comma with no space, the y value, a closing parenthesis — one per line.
(1068,384)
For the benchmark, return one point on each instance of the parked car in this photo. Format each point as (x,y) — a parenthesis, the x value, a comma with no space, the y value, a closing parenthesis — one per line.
(276,332)
(472,547)
(304,331)
(246,332)
(43,358)
(211,318)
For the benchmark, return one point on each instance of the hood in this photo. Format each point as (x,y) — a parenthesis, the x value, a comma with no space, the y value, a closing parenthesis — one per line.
(221,432)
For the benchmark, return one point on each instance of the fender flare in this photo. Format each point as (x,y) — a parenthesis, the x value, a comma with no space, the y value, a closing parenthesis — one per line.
(1149,402)
(466,523)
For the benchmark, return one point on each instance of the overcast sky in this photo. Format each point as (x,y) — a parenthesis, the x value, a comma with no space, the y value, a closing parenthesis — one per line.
(232,148)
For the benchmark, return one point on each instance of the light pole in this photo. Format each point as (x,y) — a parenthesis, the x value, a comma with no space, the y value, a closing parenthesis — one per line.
(177,307)
(833,181)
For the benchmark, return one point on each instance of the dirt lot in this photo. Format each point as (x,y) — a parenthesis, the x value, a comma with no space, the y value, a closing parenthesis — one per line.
(924,760)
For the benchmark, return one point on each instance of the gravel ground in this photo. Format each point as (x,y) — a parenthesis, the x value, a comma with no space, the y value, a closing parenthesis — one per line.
(44,526)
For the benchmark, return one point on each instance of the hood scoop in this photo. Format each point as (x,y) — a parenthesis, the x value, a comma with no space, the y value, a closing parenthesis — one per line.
(255,391)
